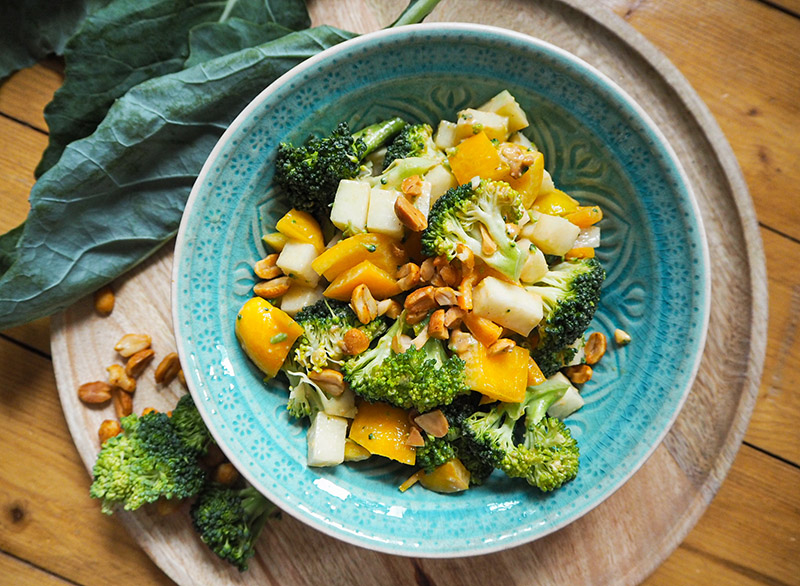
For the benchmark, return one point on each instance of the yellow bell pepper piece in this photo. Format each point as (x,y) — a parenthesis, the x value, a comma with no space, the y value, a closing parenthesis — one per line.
(383,430)
(579,252)
(266,334)
(275,240)
(452,476)
(381,250)
(529,184)
(585,216)
(381,284)
(555,203)
(477,155)
(302,226)
(535,374)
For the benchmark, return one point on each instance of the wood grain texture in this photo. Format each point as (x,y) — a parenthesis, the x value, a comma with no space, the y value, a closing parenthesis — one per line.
(675,485)
(26,93)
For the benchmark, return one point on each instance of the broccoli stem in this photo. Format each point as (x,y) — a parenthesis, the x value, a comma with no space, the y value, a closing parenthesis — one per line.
(415,12)
(376,135)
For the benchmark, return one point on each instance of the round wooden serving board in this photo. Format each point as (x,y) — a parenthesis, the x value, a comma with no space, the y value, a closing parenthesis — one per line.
(627,536)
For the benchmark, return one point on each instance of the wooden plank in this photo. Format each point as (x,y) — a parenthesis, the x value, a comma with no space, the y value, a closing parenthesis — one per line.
(16,168)
(18,572)
(48,517)
(742,58)
(25,94)
(773,425)
(35,334)
(749,533)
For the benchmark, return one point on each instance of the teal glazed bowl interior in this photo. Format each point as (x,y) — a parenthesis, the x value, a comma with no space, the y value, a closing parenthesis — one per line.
(599,146)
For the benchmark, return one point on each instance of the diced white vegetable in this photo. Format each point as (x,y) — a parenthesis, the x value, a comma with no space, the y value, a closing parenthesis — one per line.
(547,183)
(381,217)
(588,237)
(441,179)
(535,266)
(507,304)
(472,122)
(326,437)
(350,206)
(343,405)
(298,297)
(506,105)
(521,139)
(423,201)
(445,136)
(295,260)
(570,402)
(554,234)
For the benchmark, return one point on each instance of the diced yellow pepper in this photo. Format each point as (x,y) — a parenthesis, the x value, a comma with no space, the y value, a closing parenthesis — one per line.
(555,203)
(585,216)
(275,240)
(383,251)
(485,330)
(477,155)
(381,284)
(535,374)
(579,252)
(452,476)
(301,226)
(529,184)
(503,376)
(266,334)
(383,430)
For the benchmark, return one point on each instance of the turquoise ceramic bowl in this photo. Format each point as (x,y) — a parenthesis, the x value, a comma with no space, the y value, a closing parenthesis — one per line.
(598,145)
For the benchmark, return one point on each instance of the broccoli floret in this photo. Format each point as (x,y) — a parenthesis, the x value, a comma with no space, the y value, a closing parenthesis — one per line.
(420,378)
(146,462)
(557,453)
(229,521)
(435,452)
(457,218)
(324,325)
(570,293)
(310,174)
(415,140)
(522,441)
(189,425)
(401,169)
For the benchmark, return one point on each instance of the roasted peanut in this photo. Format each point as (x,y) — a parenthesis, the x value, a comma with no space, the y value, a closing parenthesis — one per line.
(445,296)
(500,346)
(434,422)
(420,300)
(130,344)
(95,392)
(364,304)
(460,341)
(465,292)
(137,363)
(273,288)
(108,429)
(401,343)
(421,339)
(225,474)
(450,275)
(465,255)
(621,337)
(408,276)
(578,374)
(453,317)
(182,377)
(266,268)
(168,368)
(488,245)
(411,217)
(412,186)
(427,270)
(415,317)
(117,377)
(104,300)
(329,380)
(354,342)
(123,403)
(390,308)
(415,438)
(436,327)
(595,347)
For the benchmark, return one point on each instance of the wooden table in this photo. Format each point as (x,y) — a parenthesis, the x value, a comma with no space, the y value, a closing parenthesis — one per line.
(743,59)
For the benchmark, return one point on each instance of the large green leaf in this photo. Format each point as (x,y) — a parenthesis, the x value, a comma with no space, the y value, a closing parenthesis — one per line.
(116,196)
(33,29)
(214,39)
(131,41)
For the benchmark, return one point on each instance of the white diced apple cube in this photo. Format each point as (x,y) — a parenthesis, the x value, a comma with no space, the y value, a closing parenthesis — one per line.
(522,140)
(441,179)
(350,206)
(507,304)
(445,136)
(423,201)
(547,183)
(326,437)
(554,234)
(569,402)
(295,261)
(588,237)
(471,122)
(381,217)
(506,105)
(298,297)
(535,266)
(343,405)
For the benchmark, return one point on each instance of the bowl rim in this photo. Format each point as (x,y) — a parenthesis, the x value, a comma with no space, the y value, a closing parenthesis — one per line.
(647,123)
